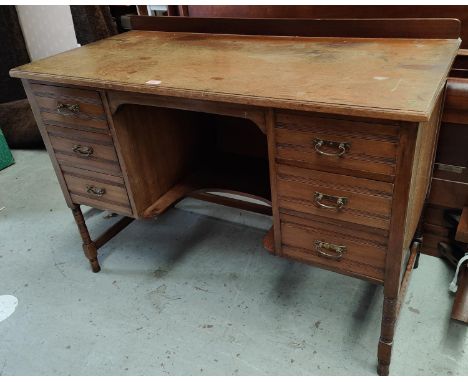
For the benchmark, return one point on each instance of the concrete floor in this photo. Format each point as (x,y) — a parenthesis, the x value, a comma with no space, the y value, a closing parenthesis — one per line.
(191,294)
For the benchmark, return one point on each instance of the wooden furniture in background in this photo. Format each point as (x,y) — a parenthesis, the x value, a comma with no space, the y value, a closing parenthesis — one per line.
(341,151)
(449,188)
(454,249)
(460,305)
(363,12)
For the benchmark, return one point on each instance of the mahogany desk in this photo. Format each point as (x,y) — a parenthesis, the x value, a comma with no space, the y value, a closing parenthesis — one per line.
(338,137)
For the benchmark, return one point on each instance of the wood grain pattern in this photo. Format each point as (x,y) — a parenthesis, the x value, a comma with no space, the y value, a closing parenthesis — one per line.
(103,157)
(90,114)
(288,72)
(47,143)
(255,114)
(423,163)
(395,247)
(115,198)
(118,150)
(368,202)
(362,258)
(168,149)
(372,151)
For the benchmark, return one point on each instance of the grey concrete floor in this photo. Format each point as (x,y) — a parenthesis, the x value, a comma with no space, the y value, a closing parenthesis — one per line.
(191,294)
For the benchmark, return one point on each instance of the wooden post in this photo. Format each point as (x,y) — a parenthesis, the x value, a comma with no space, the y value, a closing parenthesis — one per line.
(89,247)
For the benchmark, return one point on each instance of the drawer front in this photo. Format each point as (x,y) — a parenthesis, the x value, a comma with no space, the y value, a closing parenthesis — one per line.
(334,145)
(333,248)
(345,198)
(84,149)
(97,190)
(70,107)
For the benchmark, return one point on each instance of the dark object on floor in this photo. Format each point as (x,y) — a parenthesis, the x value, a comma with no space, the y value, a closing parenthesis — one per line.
(460,304)
(6,159)
(453,250)
(92,23)
(19,126)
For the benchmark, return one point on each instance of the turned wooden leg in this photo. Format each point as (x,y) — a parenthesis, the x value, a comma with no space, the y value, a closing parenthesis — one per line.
(89,247)
(389,315)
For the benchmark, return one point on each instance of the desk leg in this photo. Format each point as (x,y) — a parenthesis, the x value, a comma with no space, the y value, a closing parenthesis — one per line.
(89,247)
(391,311)
(389,315)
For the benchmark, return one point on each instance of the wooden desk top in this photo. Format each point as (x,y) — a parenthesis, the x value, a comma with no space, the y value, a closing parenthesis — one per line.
(381,78)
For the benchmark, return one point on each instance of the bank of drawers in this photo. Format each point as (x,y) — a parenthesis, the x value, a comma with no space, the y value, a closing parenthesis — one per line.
(334,189)
(77,127)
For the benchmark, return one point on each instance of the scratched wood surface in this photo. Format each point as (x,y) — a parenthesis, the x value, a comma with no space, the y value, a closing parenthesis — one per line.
(386,78)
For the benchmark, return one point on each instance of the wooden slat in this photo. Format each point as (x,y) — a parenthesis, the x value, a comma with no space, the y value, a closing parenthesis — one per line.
(255,114)
(448,194)
(112,231)
(232,202)
(367,234)
(168,199)
(384,28)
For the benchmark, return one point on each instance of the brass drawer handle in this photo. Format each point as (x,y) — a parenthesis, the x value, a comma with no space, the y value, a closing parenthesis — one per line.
(321,246)
(341,147)
(93,190)
(67,109)
(338,201)
(84,151)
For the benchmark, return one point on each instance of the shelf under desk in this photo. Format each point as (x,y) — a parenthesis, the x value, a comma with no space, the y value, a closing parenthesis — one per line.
(233,174)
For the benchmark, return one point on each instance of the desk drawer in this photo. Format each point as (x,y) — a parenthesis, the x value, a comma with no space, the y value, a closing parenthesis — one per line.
(97,190)
(84,149)
(335,145)
(70,107)
(346,198)
(360,254)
